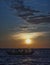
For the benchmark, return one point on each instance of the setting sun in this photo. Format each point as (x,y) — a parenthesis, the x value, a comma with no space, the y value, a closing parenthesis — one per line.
(28,41)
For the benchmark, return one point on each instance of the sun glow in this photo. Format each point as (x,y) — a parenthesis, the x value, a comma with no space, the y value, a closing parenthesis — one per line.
(28,41)
(27,38)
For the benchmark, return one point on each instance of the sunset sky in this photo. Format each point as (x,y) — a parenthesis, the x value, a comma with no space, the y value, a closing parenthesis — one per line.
(14,31)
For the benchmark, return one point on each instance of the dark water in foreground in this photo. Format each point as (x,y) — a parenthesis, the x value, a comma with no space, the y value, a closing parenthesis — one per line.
(39,57)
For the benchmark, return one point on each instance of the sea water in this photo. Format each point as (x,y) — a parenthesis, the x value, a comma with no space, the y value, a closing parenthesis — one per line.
(39,57)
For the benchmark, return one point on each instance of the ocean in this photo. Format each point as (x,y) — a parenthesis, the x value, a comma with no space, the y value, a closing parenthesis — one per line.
(38,57)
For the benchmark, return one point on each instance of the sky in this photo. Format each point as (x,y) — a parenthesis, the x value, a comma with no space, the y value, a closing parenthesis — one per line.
(15,30)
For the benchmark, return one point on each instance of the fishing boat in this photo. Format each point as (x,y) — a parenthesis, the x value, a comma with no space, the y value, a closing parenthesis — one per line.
(20,52)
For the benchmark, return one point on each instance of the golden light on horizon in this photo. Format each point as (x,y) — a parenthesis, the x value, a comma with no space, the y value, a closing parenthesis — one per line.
(28,41)
(27,38)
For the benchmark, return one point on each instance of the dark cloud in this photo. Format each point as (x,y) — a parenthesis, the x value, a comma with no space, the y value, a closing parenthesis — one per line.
(39,19)
(27,13)
(45,27)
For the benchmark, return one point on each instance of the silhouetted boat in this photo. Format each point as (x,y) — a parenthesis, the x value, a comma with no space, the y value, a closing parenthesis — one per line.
(20,52)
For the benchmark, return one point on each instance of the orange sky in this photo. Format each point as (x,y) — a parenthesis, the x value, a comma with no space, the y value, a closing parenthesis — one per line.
(38,40)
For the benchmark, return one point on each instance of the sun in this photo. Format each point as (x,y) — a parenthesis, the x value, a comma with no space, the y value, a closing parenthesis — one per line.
(28,41)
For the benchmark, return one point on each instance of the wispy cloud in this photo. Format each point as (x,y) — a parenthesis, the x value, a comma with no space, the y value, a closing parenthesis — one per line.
(28,13)
(39,19)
